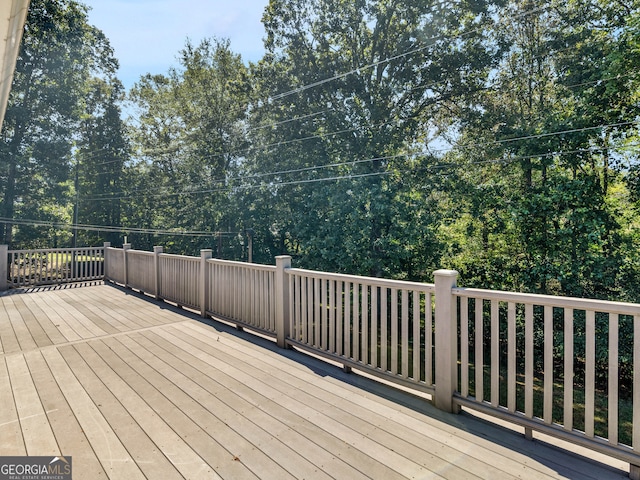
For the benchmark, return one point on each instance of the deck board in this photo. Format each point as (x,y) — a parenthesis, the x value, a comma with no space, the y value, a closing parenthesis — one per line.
(11,440)
(65,426)
(133,388)
(52,330)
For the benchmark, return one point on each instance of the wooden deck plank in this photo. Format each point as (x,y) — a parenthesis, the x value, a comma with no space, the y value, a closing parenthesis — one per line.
(8,339)
(317,445)
(155,312)
(371,422)
(68,326)
(262,430)
(181,456)
(105,388)
(37,332)
(43,299)
(53,325)
(41,319)
(241,451)
(112,455)
(11,441)
(387,418)
(36,430)
(66,429)
(395,460)
(83,326)
(515,461)
(105,309)
(22,333)
(109,327)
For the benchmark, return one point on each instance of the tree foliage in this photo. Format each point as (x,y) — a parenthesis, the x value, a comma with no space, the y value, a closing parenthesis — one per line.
(382,138)
(59,56)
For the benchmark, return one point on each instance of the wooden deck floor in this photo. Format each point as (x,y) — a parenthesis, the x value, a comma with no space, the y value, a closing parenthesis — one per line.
(132,388)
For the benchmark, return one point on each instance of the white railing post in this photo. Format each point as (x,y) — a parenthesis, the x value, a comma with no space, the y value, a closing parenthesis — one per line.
(125,247)
(157,250)
(204,287)
(4,270)
(105,246)
(283,262)
(446,341)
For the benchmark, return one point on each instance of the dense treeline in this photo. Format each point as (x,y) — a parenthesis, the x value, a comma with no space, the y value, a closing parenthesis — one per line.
(383,138)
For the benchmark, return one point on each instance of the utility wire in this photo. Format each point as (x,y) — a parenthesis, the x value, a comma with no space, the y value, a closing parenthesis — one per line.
(110,228)
(348,176)
(318,167)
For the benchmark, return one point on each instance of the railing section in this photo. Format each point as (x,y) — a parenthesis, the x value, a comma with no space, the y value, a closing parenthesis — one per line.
(54,266)
(383,326)
(559,365)
(242,293)
(114,264)
(179,280)
(564,366)
(141,270)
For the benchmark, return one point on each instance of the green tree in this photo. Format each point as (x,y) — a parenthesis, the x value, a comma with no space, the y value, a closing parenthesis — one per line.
(538,207)
(60,53)
(100,160)
(358,85)
(191,130)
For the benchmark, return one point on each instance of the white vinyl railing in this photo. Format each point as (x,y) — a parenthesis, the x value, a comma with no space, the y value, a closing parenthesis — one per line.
(242,293)
(508,367)
(51,266)
(550,364)
(179,279)
(140,270)
(114,264)
(384,326)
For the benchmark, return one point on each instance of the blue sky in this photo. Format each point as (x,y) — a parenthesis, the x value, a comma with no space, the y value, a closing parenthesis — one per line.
(148,34)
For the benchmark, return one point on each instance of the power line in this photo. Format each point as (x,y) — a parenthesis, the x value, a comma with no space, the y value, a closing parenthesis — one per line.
(318,167)
(110,228)
(348,176)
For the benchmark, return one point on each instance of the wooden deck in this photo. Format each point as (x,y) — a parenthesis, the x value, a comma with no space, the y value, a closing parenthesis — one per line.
(132,388)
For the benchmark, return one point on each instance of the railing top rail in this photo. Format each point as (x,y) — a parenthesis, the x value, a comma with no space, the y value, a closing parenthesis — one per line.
(373,281)
(550,300)
(56,250)
(140,252)
(181,257)
(250,266)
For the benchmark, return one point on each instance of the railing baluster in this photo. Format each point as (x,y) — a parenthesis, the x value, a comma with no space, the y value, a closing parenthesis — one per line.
(636,383)
(416,336)
(332,316)
(479,353)
(428,339)
(384,333)
(590,373)
(495,353)
(394,331)
(317,303)
(568,369)
(612,392)
(347,319)
(511,356)
(528,360)
(324,344)
(405,332)
(355,352)
(364,315)
(548,365)
(375,326)
(339,321)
